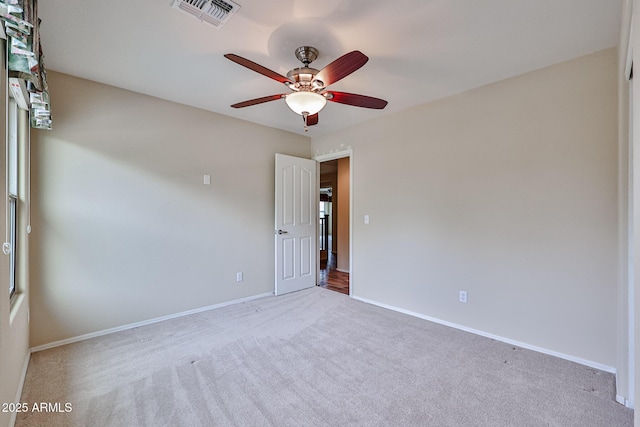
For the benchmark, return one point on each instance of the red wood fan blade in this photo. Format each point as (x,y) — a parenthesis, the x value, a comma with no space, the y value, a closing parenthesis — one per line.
(257,68)
(357,100)
(342,67)
(312,120)
(257,101)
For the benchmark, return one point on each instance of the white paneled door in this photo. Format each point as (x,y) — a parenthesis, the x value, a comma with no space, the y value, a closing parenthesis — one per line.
(296,221)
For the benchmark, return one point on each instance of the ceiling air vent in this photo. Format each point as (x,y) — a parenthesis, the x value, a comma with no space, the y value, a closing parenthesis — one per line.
(214,12)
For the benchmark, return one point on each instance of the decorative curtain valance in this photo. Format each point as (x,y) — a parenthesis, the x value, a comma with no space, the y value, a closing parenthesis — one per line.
(20,24)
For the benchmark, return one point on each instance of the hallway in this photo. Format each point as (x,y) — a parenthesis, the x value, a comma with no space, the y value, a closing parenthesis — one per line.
(331,278)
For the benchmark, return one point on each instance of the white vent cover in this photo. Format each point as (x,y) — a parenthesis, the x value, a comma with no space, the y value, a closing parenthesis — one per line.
(214,12)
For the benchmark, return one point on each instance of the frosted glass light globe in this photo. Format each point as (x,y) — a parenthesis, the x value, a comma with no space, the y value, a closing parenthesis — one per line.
(305,102)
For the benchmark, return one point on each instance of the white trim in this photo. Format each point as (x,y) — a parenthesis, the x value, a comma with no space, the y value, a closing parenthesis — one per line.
(333,156)
(144,323)
(621,400)
(630,248)
(23,377)
(579,360)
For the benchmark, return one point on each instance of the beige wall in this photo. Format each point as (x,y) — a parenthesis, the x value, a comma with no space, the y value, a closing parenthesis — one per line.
(508,192)
(125,230)
(342,214)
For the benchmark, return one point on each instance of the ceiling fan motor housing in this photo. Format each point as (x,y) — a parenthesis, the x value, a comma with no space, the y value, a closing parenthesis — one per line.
(304,79)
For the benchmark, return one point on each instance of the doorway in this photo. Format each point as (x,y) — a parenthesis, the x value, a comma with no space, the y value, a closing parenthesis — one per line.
(334,226)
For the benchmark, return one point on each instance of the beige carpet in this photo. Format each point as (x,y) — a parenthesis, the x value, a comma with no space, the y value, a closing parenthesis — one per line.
(312,358)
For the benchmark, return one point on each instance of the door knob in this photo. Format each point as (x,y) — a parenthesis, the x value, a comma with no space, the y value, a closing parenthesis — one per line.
(282,232)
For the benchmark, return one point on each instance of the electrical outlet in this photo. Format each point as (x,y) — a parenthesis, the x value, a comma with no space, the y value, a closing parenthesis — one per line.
(463,296)
(239,276)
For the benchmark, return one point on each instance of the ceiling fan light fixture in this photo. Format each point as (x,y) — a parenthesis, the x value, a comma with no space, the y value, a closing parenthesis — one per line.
(308,95)
(305,102)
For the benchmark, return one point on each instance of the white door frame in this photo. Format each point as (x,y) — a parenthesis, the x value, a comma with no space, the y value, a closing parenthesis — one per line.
(325,158)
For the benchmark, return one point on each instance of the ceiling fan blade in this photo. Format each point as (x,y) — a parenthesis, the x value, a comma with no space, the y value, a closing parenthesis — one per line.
(258,101)
(257,68)
(342,67)
(357,100)
(312,120)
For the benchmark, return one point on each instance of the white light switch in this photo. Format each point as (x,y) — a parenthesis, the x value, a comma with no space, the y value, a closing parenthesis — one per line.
(366,219)
(207,180)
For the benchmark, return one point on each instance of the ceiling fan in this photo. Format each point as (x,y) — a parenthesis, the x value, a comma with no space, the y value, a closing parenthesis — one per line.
(308,86)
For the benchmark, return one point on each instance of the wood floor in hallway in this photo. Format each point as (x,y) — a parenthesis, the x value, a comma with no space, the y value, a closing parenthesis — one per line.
(331,278)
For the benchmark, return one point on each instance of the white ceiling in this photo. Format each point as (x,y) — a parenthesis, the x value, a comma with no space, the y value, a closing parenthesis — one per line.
(419,50)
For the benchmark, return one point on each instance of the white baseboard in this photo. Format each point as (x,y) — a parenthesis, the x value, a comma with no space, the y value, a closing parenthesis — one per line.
(342,270)
(23,376)
(570,358)
(621,400)
(144,323)
(624,401)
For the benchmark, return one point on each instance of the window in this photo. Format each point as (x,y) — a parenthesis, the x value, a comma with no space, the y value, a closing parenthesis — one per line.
(12,197)
(13,203)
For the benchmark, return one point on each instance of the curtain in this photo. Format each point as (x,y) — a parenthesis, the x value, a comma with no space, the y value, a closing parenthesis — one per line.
(21,27)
